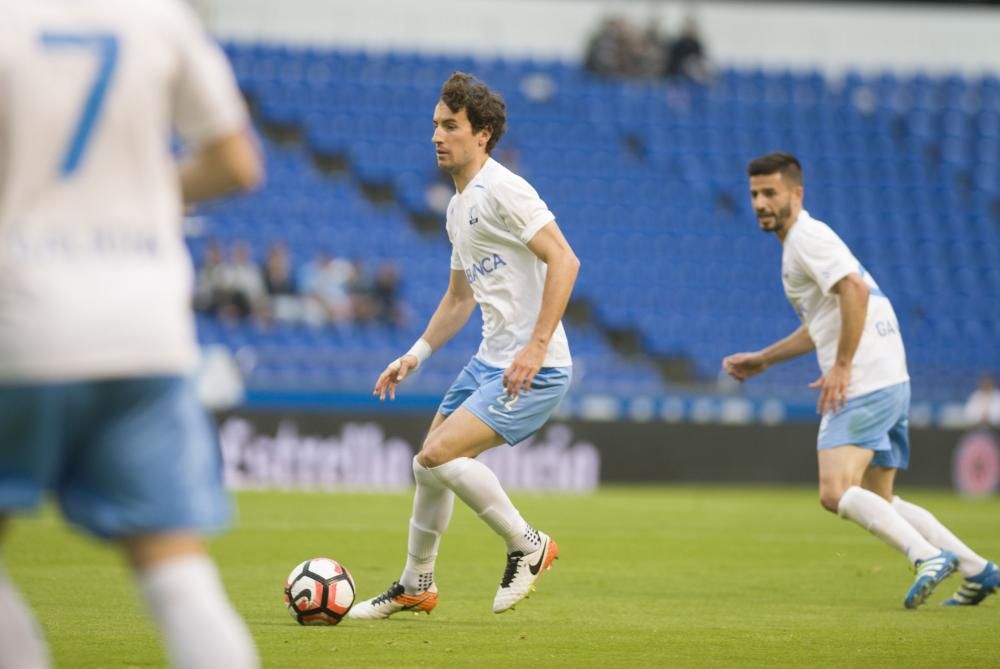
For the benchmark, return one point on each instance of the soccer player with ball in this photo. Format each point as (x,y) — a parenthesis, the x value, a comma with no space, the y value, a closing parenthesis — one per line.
(510,258)
(864,389)
(96,332)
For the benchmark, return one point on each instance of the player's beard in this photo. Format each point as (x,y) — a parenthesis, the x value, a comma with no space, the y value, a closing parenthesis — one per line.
(781,218)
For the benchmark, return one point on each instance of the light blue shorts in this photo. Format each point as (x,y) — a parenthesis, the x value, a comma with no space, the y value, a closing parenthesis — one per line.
(479,388)
(878,421)
(122,456)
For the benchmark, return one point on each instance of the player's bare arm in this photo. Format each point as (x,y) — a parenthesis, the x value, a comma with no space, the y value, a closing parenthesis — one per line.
(227,164)
(742,366)
(551,247)
(451,315)
(853,293)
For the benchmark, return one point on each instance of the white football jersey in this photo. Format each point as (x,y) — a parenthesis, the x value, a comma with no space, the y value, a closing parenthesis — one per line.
(490,224)
(814,258)
(96,280)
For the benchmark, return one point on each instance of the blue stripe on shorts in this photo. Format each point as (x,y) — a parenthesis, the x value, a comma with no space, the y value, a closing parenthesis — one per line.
(878,421)
(479,388)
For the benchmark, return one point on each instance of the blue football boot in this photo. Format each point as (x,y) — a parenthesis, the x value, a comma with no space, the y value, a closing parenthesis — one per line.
(975,589)
(930,572)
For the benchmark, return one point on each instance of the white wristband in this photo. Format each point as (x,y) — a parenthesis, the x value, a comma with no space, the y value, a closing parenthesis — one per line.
(421,350)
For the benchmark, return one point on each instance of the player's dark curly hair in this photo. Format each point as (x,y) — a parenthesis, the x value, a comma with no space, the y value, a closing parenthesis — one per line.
(485,108)
(772,163)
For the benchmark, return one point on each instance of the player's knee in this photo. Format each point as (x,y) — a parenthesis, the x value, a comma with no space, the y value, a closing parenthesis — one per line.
(434,452)
(431,458)
(829,497)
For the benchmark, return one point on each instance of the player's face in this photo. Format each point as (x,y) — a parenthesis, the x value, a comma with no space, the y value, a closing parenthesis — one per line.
(774,201)
(455,144)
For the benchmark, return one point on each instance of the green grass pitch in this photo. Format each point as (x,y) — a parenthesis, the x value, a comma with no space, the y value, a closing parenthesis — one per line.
(649,577)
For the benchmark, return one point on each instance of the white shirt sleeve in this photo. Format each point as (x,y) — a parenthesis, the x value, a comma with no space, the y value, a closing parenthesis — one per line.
(522,211)
(824,256)
(207,101)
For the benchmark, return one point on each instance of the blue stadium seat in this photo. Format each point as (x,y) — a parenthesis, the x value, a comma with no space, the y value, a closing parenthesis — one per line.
(643,177)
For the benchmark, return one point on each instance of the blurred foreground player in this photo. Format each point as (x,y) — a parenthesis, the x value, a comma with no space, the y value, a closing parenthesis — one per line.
(864,389)
(96,334)
(508,256)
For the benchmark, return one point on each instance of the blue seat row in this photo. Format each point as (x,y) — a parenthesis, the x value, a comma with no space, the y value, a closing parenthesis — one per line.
(647,181)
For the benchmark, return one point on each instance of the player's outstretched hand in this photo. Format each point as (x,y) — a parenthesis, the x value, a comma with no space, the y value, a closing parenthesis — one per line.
(520,374)
(833,393)
(394,375)
(741,366)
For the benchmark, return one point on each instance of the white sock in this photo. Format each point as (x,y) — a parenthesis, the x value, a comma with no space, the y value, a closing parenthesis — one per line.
(432,507)
(876,515)
(478,487)
(969,562)
(21,643)
(200,626)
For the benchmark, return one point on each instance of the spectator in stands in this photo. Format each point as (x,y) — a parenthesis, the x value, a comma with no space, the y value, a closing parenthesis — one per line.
(386,305)
(210,281)
(244,294)
(653,51)
(284,303)
(326,287)
(620,49)
(360,288)
(611,51)
(687,58)
(983,406)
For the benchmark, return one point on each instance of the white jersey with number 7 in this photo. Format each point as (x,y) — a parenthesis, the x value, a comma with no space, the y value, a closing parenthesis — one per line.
(95,279)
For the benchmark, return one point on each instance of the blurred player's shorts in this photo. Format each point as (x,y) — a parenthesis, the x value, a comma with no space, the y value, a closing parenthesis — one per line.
(123,456)
(878,421)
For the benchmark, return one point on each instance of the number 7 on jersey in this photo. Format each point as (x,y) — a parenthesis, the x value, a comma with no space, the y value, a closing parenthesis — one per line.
(105,46)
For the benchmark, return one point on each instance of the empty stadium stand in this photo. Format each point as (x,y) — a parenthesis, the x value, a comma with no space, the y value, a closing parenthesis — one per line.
(647,180)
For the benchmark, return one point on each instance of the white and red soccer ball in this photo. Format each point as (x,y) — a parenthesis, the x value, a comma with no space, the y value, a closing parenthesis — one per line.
(319,591)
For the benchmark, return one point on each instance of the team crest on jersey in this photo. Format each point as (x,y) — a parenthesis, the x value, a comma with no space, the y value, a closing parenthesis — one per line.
(473,215)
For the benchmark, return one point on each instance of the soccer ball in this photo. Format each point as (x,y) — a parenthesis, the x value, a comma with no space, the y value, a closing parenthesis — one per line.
(319,592)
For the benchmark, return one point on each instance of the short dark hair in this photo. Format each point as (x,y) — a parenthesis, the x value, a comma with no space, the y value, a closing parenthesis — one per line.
(777,162)
(485,108)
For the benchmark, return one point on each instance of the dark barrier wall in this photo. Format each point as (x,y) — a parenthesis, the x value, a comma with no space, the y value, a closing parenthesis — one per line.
(775,454)
(282,449)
